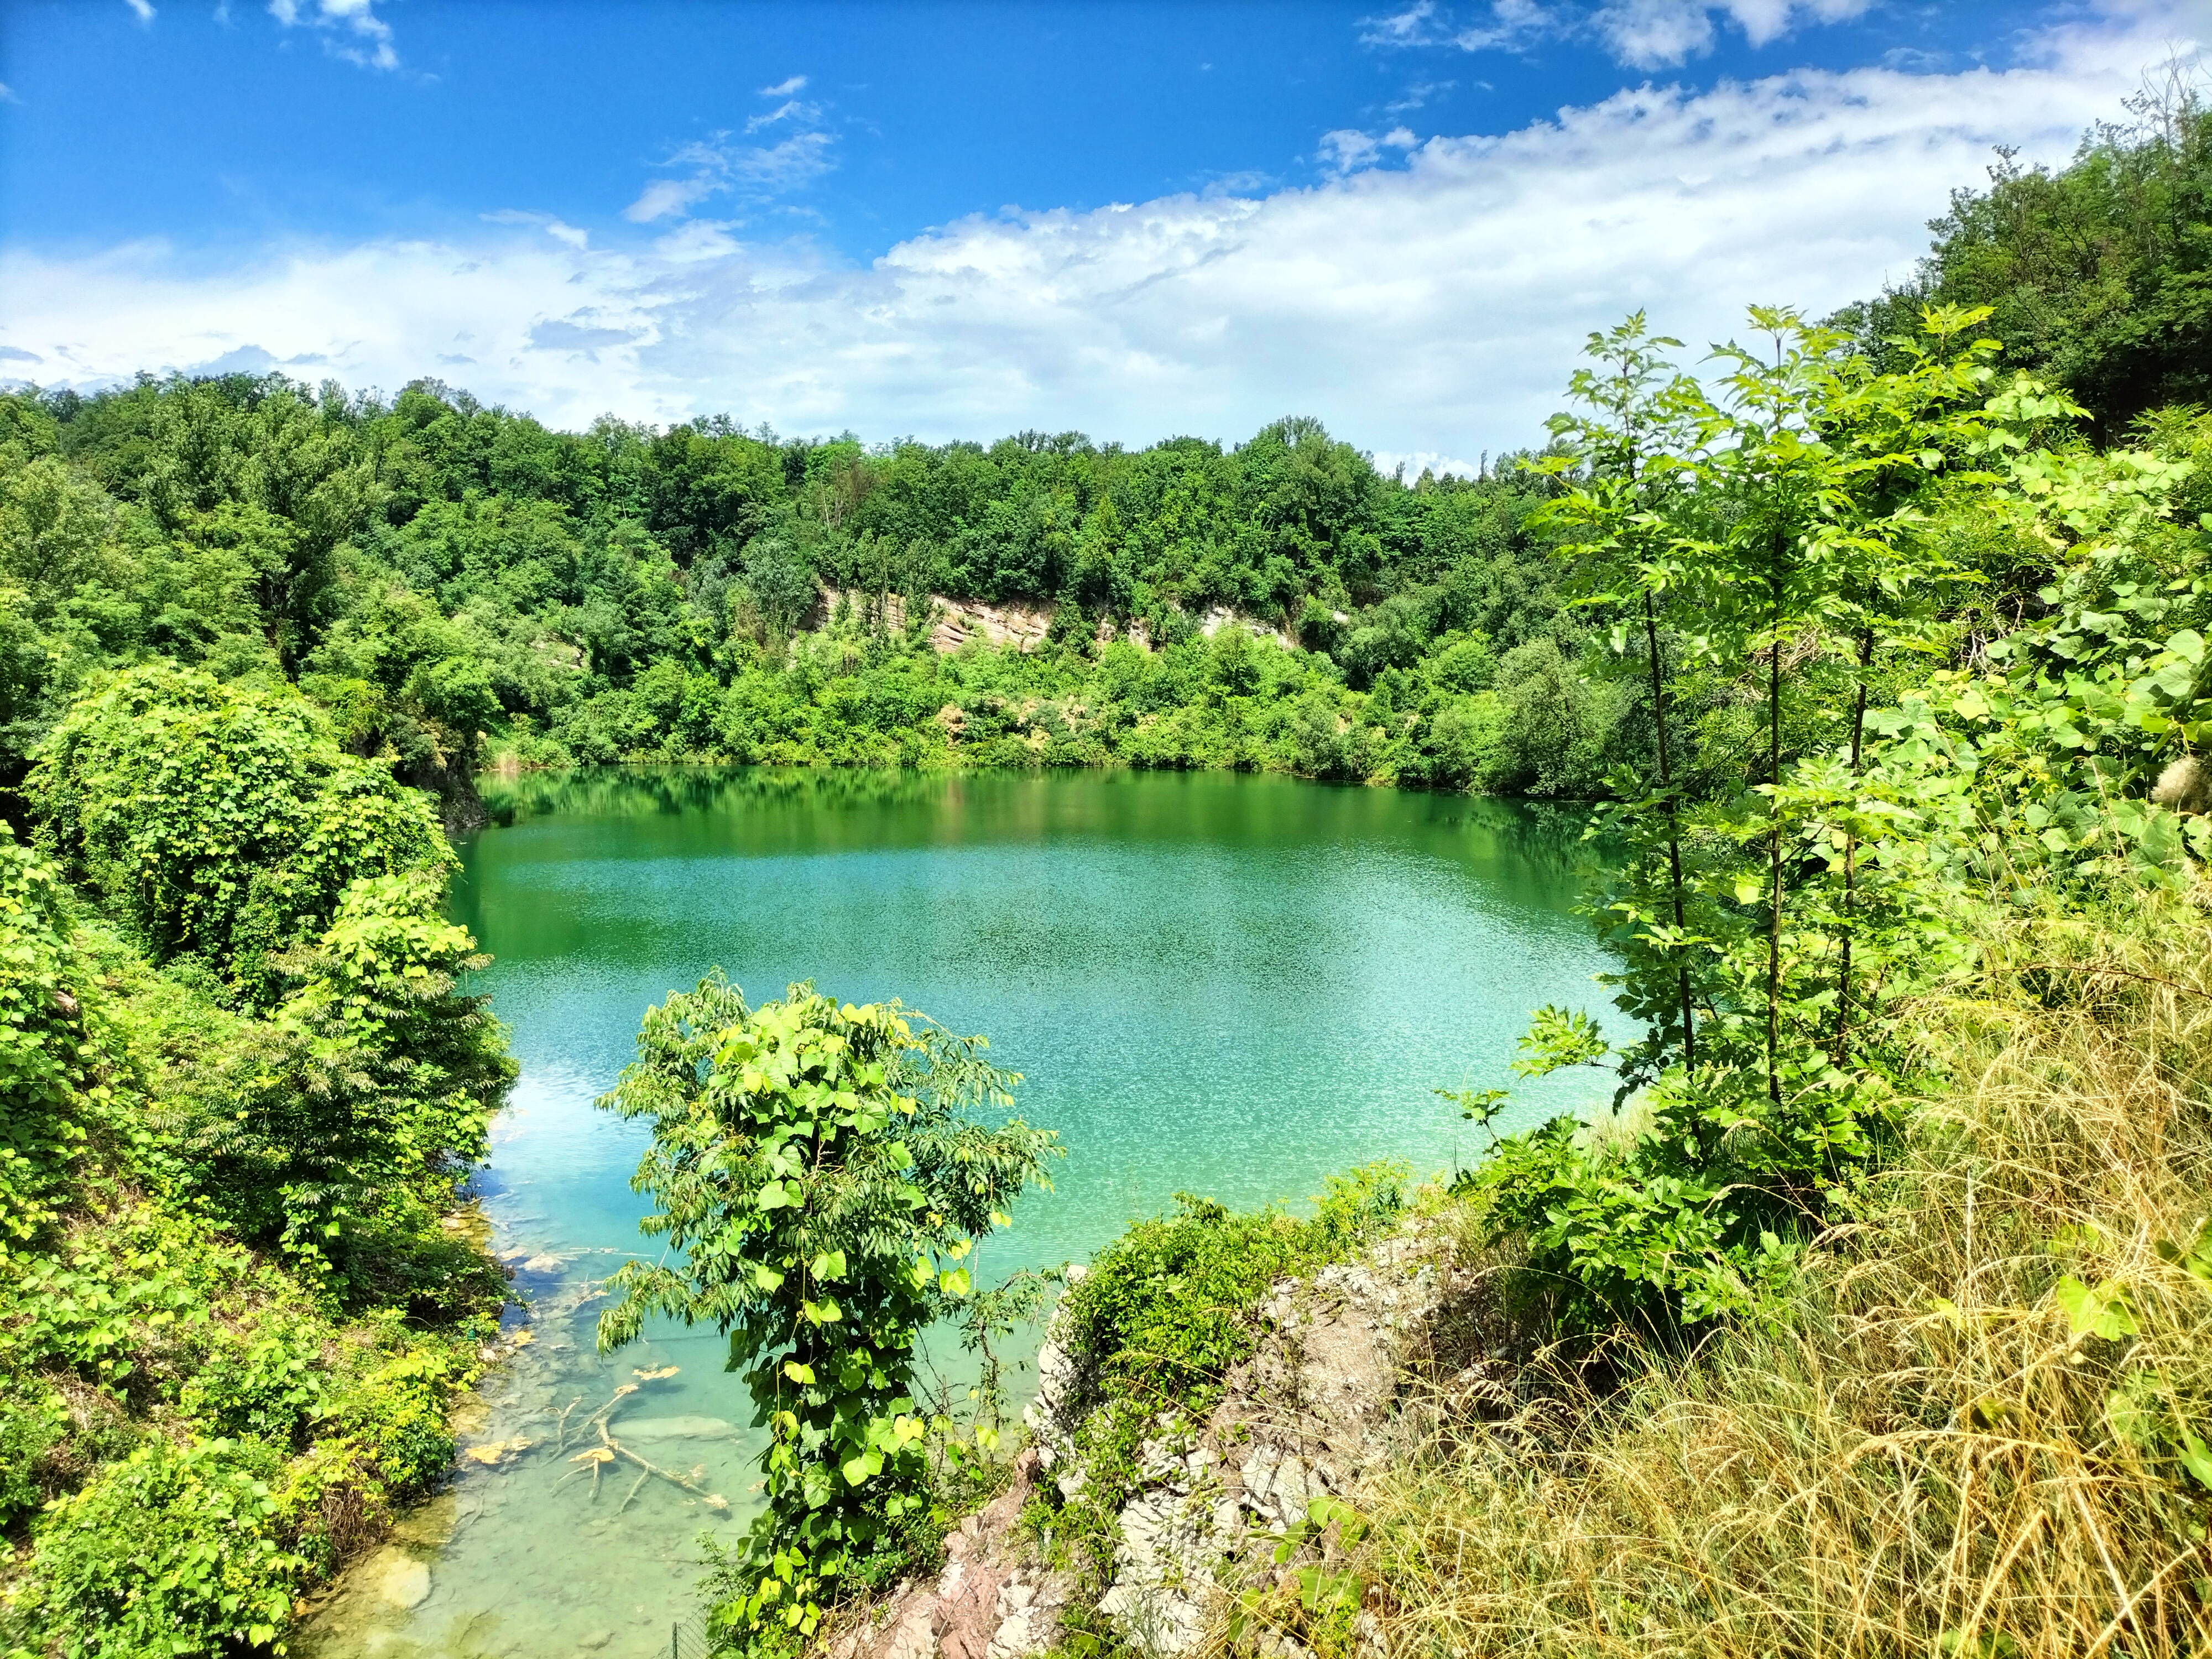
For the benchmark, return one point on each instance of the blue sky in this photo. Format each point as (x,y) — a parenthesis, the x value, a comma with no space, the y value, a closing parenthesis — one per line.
(949,221)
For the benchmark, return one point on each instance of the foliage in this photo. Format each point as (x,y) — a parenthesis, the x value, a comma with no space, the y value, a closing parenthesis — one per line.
(1162,1310)
(1967,1421)
(451,583)
(815,1165)
(219,820)
(1158,1322)
(231,1310)
(213,1572)
(2095,273)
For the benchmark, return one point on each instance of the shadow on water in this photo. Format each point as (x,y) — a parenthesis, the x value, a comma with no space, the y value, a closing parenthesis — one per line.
(1227,985)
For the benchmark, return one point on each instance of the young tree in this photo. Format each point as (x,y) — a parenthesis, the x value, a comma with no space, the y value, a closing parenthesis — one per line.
(815,1167)
(1626,459)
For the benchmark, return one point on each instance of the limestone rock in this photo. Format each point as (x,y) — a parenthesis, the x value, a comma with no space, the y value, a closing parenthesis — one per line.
(400,1580)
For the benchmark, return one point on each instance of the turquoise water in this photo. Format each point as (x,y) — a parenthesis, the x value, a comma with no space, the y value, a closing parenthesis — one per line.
(1215,984)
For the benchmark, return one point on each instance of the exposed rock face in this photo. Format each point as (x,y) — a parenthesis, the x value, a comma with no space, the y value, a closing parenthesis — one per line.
(1021,624)
(1213,1498)
(992,1599)
(1299,1419)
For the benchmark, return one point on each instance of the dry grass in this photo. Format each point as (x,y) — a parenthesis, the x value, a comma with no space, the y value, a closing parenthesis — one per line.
(1917,1453)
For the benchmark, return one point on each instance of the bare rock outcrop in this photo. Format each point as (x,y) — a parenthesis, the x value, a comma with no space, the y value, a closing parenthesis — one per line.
(1212,1499)
(993,1599)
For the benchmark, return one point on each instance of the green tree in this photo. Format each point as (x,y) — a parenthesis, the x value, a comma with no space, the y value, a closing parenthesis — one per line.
(220,820)
(815,1166)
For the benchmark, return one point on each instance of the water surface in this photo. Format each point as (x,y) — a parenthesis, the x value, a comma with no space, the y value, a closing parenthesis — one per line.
(1212,983)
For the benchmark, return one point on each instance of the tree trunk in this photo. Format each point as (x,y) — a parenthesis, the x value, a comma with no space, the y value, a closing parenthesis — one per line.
(1674,822)
(1774,840)
(1850,860)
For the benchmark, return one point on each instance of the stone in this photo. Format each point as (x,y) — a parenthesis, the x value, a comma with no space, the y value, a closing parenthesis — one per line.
(595,1639)
(401,1581)
(674,1428)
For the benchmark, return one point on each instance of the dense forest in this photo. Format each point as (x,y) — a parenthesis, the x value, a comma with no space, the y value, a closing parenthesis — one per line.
(1881,642)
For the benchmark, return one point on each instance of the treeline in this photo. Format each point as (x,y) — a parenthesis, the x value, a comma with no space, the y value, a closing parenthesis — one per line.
(449,580)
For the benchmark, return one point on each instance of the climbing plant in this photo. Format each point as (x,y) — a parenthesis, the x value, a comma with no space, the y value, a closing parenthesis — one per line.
(815,1171)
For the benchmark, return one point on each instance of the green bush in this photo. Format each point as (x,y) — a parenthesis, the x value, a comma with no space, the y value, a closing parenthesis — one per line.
(1163,1310)
(219,820)
(171,1552)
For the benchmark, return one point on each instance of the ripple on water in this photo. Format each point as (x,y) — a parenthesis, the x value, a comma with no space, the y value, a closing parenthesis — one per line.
(1223,985)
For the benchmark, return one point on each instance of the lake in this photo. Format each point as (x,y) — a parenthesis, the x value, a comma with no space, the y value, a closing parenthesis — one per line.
(1212,983)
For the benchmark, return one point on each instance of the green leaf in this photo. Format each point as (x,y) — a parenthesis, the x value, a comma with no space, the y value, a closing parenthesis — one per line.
(2102,1312)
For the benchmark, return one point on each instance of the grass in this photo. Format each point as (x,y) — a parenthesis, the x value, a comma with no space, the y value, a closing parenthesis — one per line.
(1976,1425)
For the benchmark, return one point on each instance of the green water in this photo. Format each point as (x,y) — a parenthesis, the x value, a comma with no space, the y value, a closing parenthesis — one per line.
(1212,983)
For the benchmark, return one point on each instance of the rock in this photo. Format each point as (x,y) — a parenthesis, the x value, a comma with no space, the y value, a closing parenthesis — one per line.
(595,1639)
(673,1428)
(991,1602)
(399,1579)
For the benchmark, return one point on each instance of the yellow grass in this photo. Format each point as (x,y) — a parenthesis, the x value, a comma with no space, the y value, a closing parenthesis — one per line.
(1916,1453)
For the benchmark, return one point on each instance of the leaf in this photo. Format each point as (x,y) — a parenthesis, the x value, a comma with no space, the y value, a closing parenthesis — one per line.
(797,1371)
(2197,1459)
(2102,1312)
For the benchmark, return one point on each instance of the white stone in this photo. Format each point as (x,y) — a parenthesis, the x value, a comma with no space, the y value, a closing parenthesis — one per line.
(400,1580)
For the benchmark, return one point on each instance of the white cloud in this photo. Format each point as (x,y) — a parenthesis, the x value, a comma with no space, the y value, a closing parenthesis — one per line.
(1431,309)
(1348,150)
(1414,463)
(572,235)
(350,28)
(1641,33)
(756,171)
(141,10)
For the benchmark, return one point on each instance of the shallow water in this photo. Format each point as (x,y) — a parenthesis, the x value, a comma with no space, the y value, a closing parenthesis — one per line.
(1215,984)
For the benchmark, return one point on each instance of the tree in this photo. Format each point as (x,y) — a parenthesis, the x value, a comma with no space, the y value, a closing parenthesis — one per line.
(814,1168)
(220,820)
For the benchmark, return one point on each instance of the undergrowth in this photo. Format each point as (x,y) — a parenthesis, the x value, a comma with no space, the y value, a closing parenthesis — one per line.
(1975,1422)
(1158,1324)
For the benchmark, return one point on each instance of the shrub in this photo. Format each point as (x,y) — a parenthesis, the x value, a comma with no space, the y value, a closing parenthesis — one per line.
(212,1573)
(220,820)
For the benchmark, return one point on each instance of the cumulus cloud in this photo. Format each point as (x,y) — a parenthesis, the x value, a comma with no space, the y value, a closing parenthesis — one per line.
(1429,309)
(1641,33)
(1347,150)
(350,28)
